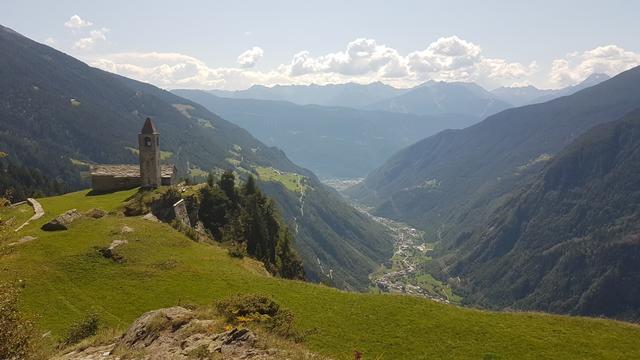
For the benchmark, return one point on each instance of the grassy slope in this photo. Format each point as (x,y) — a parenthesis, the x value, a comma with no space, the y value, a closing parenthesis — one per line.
(65,279)
(291,181)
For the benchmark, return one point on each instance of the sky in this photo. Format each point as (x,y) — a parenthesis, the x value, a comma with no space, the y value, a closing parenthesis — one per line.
(235,44)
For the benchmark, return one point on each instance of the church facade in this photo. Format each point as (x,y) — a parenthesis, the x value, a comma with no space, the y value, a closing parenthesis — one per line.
(149,173)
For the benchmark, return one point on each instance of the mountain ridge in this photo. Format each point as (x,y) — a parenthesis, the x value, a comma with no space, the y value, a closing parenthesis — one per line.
(572,229)
(439,97)
(527,95)
(334,142)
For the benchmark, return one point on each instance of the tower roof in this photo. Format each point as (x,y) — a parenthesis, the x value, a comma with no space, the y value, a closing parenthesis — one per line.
(149,127)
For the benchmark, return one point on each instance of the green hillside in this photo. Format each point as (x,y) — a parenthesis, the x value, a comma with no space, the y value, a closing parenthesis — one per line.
(65,115)
(568,241)
(65,277)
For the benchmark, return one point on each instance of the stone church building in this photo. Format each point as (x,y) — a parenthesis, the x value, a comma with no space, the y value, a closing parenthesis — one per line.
(148,174)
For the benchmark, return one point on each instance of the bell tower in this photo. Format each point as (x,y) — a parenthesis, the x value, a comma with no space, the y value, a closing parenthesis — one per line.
(149,149)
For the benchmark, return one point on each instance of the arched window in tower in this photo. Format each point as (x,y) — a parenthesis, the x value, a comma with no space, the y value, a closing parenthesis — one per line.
(147,141)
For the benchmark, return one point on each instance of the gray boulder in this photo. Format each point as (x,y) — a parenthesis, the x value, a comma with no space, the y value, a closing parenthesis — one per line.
(62,221)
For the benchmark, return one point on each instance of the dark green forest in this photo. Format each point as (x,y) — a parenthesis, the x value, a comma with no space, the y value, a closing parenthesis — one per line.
(250,221)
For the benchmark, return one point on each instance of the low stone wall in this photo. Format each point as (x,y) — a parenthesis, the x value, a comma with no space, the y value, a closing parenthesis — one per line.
(102,183)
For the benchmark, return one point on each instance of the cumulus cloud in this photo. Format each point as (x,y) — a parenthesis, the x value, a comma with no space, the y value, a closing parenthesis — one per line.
(608,59)
(363,61)
(361,57)
(94,37)
(446,59)
(175,70)
(250,57)
(76,22)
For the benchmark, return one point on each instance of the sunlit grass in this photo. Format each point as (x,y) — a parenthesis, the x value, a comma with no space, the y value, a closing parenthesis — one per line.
(292,181)
(65,278)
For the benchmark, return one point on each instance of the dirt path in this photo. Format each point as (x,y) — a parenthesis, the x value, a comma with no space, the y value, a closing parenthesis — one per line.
(38,213)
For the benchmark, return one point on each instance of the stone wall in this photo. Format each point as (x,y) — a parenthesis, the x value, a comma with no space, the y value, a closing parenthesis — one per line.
(111,183)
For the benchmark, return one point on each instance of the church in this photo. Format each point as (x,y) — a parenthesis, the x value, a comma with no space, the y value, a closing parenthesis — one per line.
(148,174)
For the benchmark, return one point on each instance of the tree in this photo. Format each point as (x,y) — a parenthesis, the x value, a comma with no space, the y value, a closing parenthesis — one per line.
(250,221)
(214,208)
(250,186)
(288,264)
(227,184)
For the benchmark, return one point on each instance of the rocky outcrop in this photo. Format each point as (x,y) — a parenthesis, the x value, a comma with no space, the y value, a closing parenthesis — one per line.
(95,213)
(178,333)
(62,221)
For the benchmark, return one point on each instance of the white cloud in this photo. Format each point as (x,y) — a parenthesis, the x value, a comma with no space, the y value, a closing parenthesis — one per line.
(76,22)
(94,37)
(455,59)
(250,57)
(361,57)
(446,59)
(50,41)
(363,61)
(608,59)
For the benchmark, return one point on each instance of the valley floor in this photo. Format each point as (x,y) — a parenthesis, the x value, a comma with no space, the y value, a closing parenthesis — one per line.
(404,273)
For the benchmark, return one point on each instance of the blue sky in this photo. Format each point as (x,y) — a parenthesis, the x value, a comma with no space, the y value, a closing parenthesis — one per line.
(198,44)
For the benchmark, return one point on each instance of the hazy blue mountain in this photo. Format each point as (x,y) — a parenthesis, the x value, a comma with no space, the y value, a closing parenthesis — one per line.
(593,79)
(349,95)
(438,97)
(58,114)
(521,95)
(334,142)
(526,95)
(568,241)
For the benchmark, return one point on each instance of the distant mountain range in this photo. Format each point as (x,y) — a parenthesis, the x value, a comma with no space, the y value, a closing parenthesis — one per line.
(438,97)
(349,95)
(526,95)
(334,142)
(449,184)
(58,115)
(430,98)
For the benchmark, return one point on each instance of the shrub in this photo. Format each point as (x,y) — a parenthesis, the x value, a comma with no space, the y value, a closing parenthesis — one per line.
(263,310)
(237,251)
(17,334)
(84,328)
(190,232)
(251,307)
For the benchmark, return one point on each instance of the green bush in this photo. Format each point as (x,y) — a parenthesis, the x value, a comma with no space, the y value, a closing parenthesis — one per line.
(251,307)
(17,334)
(190,232)
(263,310)
(84,328)
(237,251)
